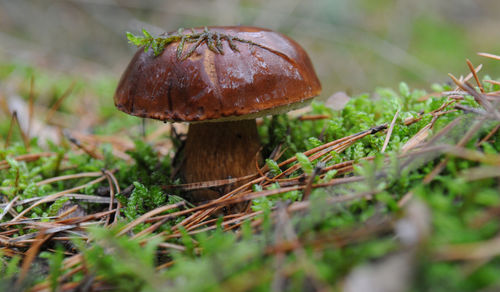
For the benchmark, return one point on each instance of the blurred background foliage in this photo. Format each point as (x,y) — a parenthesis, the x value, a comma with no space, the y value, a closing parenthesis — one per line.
(355,45)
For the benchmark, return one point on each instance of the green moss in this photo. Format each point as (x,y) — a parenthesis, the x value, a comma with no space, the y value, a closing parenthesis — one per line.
(219,260)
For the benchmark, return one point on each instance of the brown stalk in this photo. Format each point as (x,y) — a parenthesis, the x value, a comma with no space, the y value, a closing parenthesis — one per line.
(473,71)
(489,135)
(165,265)
(417,139)
(470,75)
(480,98)
(58,103)
(81,146)
(111,195)
(25,138)
(45,285)
(3,105)
(11,128)
(494,82)
(30,256)
(86,218)
(114,181)
(68,212)
(31,105)
(172,246)
(310,181)
(491,56)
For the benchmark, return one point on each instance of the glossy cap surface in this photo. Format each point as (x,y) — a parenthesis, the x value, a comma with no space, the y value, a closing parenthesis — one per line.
(271,71)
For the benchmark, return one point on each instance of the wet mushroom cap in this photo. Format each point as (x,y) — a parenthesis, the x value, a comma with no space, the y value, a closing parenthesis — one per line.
(264,73)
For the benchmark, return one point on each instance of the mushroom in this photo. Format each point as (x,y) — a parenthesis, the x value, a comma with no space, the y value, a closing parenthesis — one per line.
(218,79)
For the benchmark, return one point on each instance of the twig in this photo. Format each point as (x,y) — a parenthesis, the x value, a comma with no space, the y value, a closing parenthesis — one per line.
(31,105)
(495,82)
(8,207)
(389,132)
(68,212)
(111,194)
(25,138)
(111,176)
(313,117)
(235,222)
(490,134)
(77,143)
(417,139)
(9,133)
(308,188)
(491,56)
(30,256)
(148,215)
(58,102)
(58,195)
(468,135)
(67,177)
(480,98)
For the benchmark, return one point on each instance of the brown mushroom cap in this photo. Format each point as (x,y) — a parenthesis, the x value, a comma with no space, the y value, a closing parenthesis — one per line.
(270,74)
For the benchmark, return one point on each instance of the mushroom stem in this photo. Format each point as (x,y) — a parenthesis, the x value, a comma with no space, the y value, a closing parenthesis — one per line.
(219,150)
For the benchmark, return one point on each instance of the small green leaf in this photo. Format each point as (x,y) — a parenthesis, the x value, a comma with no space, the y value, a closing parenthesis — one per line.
(273,167)
(404,89)
(437,87)
(134,39)
(146,33)
(304,162)
(57,205)
(154,45)
(328,176)
(256,188)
